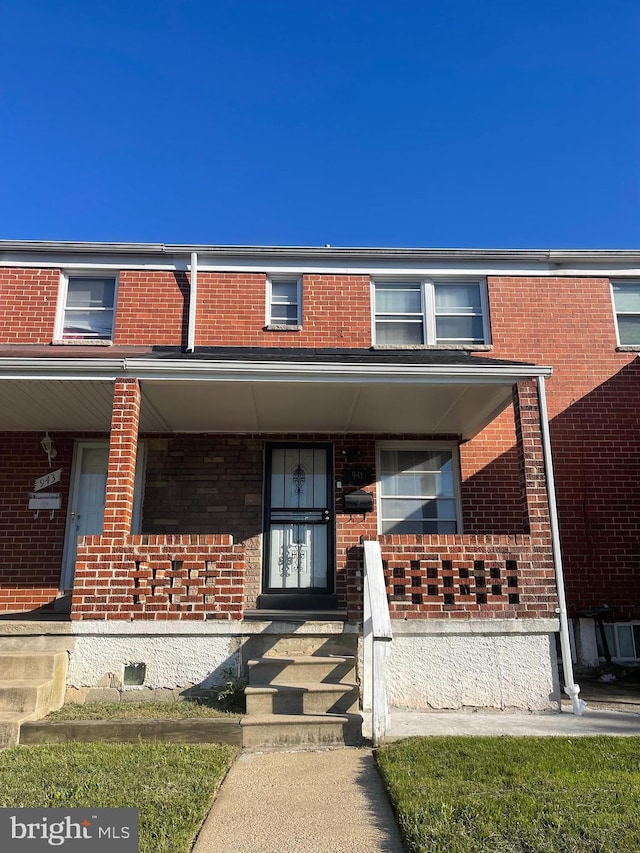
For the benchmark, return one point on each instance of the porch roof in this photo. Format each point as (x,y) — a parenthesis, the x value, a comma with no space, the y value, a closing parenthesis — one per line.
(271,390)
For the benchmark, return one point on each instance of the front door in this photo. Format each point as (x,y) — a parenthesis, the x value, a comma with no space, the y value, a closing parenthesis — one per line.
(85,516)
(299,522)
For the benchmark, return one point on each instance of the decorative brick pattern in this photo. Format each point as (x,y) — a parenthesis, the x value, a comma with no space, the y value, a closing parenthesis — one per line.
(462,577)
(159,577)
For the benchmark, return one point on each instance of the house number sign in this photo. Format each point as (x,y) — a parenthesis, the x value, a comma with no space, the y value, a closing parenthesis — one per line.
(47,480)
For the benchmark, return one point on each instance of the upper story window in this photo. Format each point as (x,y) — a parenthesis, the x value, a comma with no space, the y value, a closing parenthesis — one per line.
(88,307)
(414,313)
(626,299)
(284,298)
(418,488)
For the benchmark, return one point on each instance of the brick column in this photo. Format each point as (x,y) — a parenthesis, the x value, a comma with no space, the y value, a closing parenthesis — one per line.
(123,448)
(533,485)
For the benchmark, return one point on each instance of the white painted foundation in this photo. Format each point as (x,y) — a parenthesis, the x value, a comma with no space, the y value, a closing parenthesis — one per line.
(433,664)
(176,655)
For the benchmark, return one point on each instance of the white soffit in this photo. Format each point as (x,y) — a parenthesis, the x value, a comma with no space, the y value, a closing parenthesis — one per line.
(262,397)
(457,409)
(27,404)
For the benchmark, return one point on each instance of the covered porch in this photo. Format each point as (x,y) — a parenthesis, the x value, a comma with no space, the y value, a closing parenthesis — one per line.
(181,566)
(186,438)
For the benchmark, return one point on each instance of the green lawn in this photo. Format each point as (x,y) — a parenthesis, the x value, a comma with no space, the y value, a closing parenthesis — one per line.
(182,710)
(171,784)
(515,795)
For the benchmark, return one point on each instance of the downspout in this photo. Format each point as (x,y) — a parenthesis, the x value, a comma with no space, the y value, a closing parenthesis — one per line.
(193,301)
(570,687)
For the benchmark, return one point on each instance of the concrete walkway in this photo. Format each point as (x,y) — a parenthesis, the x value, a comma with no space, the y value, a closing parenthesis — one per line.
(513,723)
(332,800)
(326,801)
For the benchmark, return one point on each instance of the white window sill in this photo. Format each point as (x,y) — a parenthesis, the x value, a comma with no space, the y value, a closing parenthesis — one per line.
(282,327)
(628,348)
(81,342)
(454,347)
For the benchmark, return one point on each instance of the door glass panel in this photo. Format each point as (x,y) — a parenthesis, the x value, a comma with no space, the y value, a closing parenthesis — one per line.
(92,486)
(298,478)
(298,533)
(297,556)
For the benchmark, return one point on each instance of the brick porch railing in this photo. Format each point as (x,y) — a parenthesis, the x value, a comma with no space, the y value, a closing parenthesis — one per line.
(159,577)
(462,577)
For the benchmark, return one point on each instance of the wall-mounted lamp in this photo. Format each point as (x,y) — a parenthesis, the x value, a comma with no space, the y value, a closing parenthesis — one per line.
(47,445)
(351,453)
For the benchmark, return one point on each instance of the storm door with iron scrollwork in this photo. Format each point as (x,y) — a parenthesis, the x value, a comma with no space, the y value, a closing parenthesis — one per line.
(298,519)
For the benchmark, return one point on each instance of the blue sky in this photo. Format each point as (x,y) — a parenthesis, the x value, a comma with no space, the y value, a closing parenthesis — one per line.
(493,123)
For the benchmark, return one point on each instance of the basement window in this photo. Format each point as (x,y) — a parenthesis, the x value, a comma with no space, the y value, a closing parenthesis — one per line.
(623,640)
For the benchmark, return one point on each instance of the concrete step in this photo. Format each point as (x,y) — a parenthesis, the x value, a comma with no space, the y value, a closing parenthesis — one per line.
(33,696)
(317,698)
(286,646)
(302,670)
(293,730)
(32,664)
(10,722)
(33,636)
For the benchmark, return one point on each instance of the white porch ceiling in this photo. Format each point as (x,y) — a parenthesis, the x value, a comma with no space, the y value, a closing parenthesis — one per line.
(378,407)
(281,405)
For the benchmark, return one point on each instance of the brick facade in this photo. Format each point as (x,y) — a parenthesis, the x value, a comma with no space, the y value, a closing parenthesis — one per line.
(212,486)
(158,577)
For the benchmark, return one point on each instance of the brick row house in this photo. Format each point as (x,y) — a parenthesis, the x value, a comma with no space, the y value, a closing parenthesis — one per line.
(197,440)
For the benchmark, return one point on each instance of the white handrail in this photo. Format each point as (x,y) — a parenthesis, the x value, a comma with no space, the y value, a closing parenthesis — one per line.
(377,636)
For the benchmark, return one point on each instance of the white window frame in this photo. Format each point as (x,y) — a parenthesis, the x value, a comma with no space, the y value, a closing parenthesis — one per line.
(289,279)
(61,309)
(428,302)
(614,642)
(451,446)
(616,313)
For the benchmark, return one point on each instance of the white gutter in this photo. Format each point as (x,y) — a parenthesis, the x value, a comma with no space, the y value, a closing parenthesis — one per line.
(548,255)
(237,370)
(193,302)
(570,687)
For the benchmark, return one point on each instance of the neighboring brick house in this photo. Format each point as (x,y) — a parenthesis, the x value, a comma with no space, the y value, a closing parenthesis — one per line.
(221,416)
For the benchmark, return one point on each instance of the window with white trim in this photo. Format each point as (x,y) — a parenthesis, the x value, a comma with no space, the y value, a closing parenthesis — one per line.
(284,302)
(626,299)
(623,640)
(89,307)
(414,313)
(418,488)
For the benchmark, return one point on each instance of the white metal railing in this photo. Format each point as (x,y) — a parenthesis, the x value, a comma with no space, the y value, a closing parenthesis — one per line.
(377,637)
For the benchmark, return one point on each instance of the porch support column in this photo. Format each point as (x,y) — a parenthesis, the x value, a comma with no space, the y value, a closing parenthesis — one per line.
(535,507)
(123,448)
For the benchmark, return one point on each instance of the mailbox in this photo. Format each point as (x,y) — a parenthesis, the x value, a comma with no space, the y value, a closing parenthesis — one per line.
(358,502)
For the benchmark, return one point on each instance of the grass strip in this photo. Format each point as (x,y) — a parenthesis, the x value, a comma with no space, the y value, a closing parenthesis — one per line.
(515,795)
(182,710)
(171,784)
